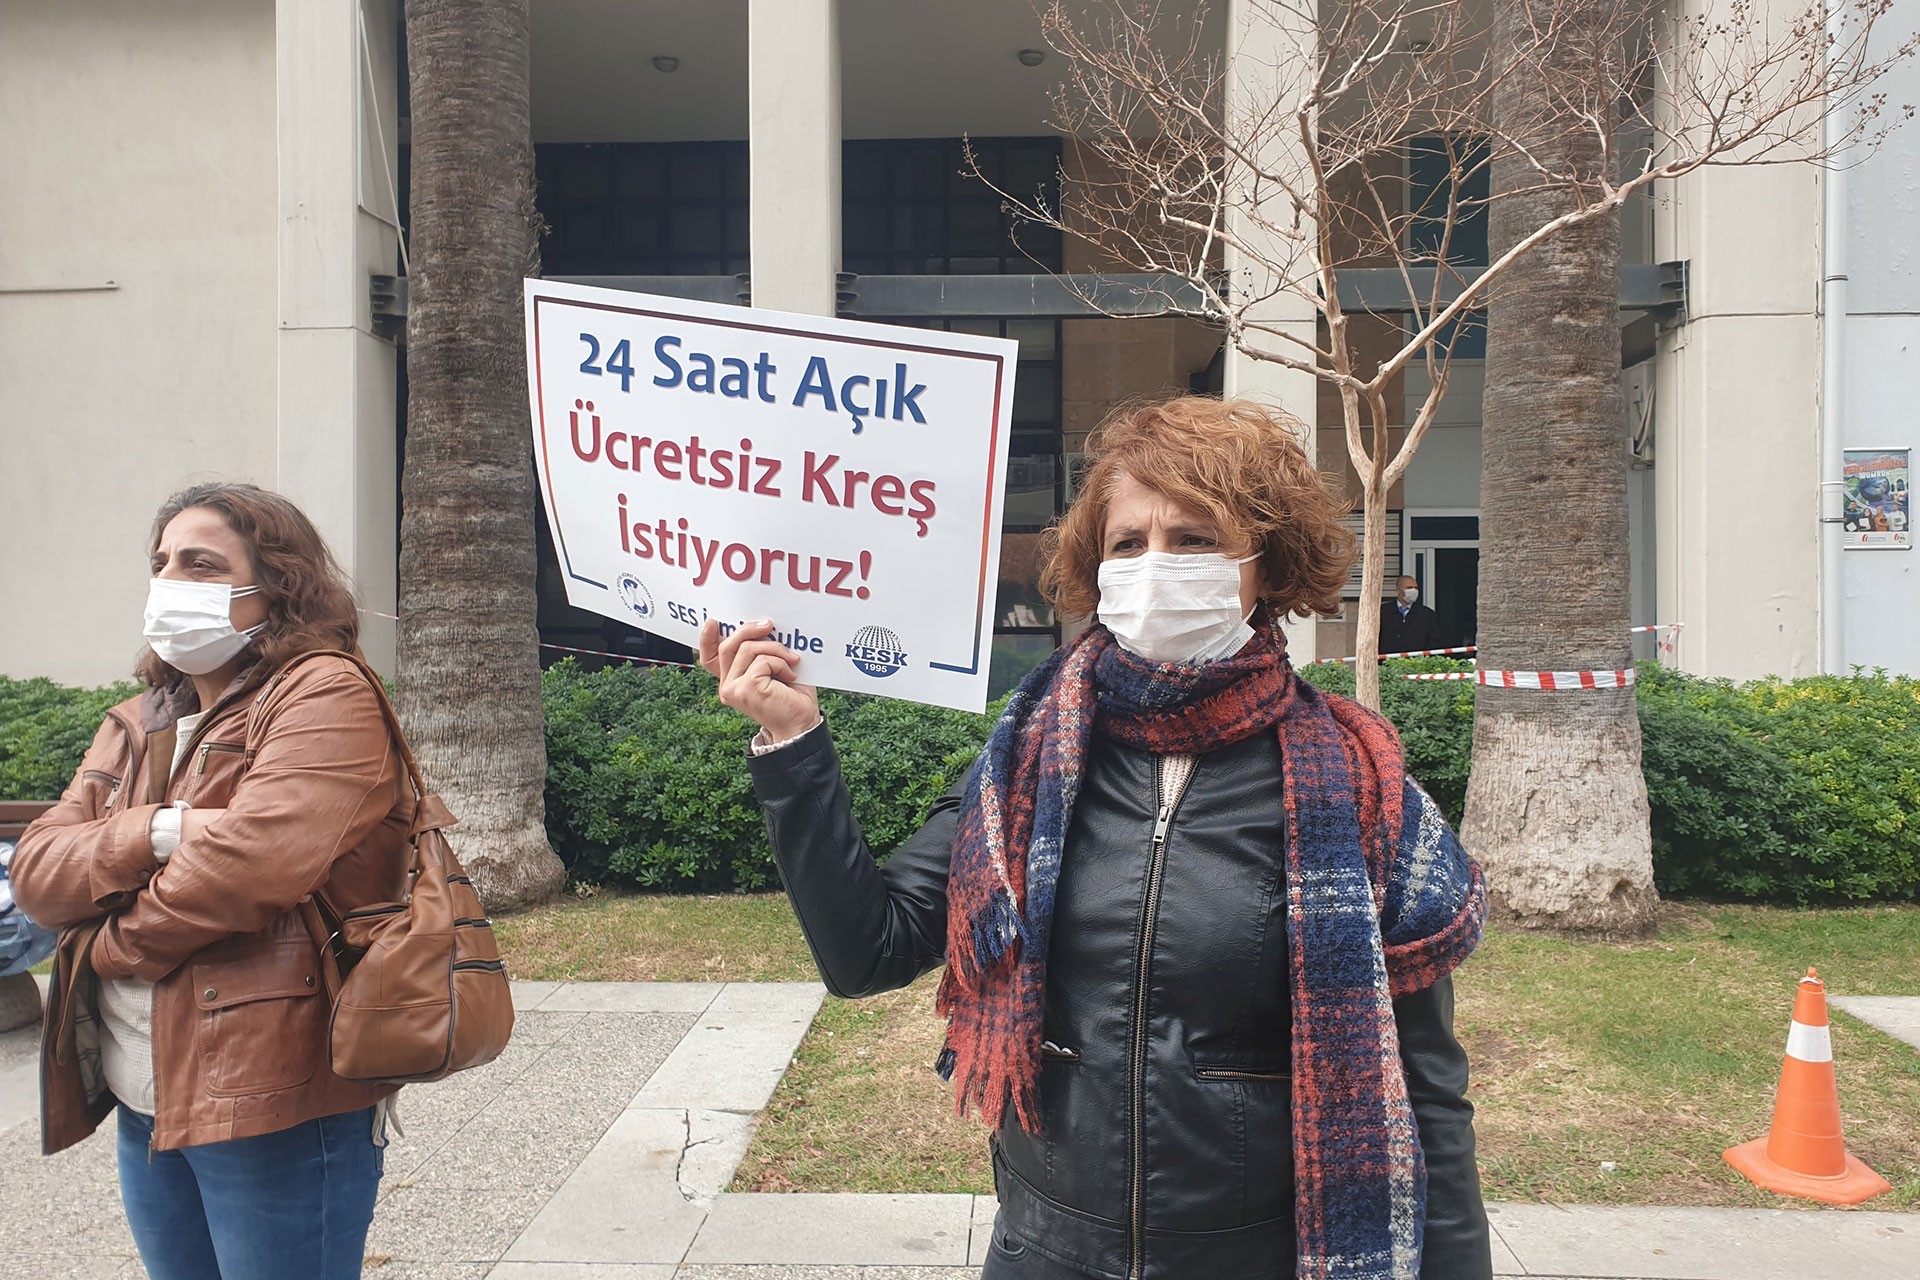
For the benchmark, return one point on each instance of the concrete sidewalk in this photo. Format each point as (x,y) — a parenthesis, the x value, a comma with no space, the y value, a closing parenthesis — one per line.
(598,1147)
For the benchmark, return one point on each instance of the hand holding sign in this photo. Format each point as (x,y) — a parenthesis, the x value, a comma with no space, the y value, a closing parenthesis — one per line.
(758,678)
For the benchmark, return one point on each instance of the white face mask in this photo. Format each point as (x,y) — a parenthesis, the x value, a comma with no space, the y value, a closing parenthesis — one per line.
(190,624)
(1410,596)
(1175,608)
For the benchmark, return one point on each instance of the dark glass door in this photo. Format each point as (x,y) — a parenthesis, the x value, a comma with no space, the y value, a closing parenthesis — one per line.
(1456,593)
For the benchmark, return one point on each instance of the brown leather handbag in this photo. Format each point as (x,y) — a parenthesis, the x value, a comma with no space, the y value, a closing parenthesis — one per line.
(418,987)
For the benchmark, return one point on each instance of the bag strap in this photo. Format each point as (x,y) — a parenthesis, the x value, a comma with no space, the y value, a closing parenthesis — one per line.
(430,813)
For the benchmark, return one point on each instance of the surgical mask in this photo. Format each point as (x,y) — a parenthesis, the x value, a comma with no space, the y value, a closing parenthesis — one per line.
(1410,596)
(1175,608)
(190,624)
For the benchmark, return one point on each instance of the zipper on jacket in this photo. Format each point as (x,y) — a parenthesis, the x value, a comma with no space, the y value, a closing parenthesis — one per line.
(208,748)
(1164,807)
(113,785)
(1239,1073)
(492,966)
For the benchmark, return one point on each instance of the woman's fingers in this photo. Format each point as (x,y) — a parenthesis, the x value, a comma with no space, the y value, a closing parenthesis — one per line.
(708,647)
(758,676)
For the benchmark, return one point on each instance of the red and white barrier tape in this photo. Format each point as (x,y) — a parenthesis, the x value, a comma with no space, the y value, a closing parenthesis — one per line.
(1553,680)
(1558,679)
(562,648)
(1666,645)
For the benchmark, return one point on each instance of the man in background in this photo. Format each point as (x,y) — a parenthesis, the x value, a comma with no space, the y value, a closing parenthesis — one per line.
(1406,625)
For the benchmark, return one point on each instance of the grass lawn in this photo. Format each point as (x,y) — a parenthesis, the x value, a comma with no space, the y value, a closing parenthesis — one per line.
(1603,1073)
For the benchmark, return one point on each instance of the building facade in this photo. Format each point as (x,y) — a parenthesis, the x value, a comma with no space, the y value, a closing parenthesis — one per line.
(205,219)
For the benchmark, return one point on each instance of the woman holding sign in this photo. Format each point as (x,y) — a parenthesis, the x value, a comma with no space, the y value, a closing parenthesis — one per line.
(1198,922)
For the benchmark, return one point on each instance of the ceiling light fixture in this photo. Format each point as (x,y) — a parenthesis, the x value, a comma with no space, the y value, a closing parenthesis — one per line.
(1032,57)
(666,62)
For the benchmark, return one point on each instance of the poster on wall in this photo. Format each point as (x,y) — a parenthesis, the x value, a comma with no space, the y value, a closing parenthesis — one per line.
(844,479)
(1878,512)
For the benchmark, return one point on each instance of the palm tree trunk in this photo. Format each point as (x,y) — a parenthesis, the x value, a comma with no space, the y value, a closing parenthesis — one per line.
(469,661)
(1556,802)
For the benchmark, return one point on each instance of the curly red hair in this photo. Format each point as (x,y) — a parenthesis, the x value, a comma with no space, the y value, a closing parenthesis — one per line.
(1237,462)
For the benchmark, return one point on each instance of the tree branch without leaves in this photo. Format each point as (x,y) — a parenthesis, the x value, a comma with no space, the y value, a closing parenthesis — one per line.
(1294,167)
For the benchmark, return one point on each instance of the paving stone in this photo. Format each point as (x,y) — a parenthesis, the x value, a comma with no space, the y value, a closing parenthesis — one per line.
(632,997)
(716,1142)
(891,1230)
(736,1053)
(436,1224)
(584,1271)
(520,1139)
(823,1273)
(985,1210)
(528,995)
(74,1196)
(22,1044)
(432,1115)
(545,1026)
(40,1266)
(1898,1016)
(400,1270)
(19,1094)
(621,1204)
(1711,1244)
(1505,1262)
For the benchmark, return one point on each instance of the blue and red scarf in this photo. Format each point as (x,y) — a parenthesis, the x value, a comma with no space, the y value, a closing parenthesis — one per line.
(1381,901)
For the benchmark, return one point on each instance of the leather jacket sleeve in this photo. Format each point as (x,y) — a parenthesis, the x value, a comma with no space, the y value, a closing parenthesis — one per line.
(324,774)
(69,867)
(1458,1245)
(871,929)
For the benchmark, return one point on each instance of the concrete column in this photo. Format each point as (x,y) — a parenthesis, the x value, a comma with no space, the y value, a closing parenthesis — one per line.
(793,103)
(337,414)
(1268,47)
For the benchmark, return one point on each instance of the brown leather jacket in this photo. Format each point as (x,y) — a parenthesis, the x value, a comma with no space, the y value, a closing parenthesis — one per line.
(316,799)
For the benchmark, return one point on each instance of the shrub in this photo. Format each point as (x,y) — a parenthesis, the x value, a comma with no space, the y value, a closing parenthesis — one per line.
(647,777)
(1775,791)
(1843,795)
(44,730)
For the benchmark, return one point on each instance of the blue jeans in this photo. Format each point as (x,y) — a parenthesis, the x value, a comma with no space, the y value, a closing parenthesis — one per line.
(292,1205)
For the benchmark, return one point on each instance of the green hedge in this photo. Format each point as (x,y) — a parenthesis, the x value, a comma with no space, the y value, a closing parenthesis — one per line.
(1775,791)
(44,730)
(647,778)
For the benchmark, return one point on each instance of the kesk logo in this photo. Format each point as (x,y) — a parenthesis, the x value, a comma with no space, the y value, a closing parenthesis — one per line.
(876,651)
(634,594)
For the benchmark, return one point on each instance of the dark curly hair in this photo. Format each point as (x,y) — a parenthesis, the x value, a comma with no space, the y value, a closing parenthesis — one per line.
(308,598)
(1237,462)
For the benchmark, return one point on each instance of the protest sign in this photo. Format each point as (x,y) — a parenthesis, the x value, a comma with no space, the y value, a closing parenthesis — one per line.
(841,478)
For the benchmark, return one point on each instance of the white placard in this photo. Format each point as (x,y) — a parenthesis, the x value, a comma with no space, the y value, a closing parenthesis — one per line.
(843,479)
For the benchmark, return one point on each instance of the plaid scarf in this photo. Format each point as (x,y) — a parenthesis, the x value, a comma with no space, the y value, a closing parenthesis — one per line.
(1381,901)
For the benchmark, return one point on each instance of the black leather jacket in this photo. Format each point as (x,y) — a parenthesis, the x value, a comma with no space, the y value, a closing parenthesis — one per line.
(1166,1142)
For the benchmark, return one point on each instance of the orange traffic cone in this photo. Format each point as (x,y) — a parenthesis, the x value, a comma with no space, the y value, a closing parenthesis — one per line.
(1804,1154)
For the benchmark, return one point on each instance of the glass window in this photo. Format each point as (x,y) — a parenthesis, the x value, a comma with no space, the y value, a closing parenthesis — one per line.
(1033,486)
(1013,657)
(1444,529)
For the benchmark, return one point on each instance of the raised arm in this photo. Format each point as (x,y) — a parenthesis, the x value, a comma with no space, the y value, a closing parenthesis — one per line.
(870,930)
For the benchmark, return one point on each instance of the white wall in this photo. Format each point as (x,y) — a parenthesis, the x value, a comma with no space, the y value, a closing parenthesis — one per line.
(1880,625)
(139,141)
(1445,474)
(1736,485)
(334,108)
